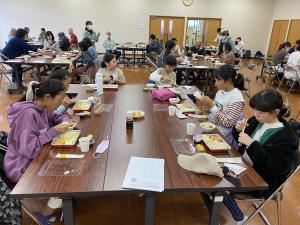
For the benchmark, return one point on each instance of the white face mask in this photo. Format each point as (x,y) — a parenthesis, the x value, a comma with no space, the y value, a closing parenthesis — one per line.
(108,36)
(89,27)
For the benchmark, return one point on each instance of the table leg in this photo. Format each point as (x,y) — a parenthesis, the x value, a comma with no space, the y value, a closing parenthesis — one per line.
(68,211)
(215,209)
(149,208)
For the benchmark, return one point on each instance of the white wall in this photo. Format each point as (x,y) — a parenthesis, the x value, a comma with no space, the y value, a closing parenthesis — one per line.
(286,9)
(249,19)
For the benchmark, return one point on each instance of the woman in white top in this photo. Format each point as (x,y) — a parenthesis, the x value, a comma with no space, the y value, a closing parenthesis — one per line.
(228,106)
(293,64)
(49,42)
(110,71)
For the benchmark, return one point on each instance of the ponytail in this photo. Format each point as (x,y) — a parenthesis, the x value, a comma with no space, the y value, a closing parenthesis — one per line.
(285,111)
(239,82)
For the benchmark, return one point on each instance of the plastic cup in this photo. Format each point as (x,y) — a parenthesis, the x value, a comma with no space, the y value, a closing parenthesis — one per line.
(172,110)
(84,144)
(190,128)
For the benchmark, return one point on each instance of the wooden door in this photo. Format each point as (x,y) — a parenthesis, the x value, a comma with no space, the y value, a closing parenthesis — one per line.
(278,35)
(294,32)
(209,31)
(166,27)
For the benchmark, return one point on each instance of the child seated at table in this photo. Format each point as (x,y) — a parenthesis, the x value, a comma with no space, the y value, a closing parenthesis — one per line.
(268,144)
(110,71)
(166,74)
(228,105)
(34,124)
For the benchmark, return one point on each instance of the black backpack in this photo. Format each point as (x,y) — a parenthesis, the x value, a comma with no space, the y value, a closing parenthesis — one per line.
(247,54)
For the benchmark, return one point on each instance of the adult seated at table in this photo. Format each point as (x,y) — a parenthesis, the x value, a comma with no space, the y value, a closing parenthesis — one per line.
(228,56)
(64,43)
(27,38)
(196,49)
(110,71)
(268,144)
(228,106)
(168,50)
(17,46)
(90,33)
(109,45)
(73,38)
(87,60)
(293,64)
(153,48)
(177,51)
(282,54)
(50,42)
(165,74)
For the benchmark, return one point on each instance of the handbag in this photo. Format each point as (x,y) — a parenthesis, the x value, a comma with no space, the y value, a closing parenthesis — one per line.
(163,94)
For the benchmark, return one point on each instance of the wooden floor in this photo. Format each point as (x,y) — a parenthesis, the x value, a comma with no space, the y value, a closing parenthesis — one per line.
(171,208)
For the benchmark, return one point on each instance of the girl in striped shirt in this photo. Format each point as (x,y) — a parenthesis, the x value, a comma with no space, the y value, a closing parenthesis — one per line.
(228,106)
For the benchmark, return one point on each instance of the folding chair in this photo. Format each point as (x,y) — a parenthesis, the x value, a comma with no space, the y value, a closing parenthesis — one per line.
(251,68)
(293,80)
(6,72)
(151,63)
(277,195)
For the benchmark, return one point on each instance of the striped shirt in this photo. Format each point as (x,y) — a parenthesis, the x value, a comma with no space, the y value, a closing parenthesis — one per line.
(228,108)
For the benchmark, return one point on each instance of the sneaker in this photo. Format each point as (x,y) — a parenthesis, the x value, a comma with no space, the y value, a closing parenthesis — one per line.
(46,220)
(242,222)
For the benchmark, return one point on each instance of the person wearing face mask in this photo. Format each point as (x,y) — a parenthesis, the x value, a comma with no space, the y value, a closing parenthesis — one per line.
(226,38)
(240,47)
(280,56)
(90,33)
(110,45)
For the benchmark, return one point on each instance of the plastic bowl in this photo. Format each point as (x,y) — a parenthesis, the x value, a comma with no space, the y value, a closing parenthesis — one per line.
(174,101)
(150,85)
(207,127)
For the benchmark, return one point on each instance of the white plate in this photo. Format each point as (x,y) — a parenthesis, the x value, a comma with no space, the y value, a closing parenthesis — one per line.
(142,114)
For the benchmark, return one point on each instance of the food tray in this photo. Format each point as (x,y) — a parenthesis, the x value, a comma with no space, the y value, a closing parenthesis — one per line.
(215,142)
(61,168)
(82,105)
(66,140)
(183,146)
(185,108)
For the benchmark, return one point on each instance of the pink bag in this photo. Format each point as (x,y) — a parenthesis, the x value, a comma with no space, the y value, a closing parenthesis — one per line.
(163,94)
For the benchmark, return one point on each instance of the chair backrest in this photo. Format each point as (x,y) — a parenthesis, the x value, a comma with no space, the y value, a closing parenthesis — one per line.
(151,63)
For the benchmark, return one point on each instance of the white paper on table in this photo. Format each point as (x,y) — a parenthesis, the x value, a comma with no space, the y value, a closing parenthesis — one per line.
(235,160)
(187,87)
(198,95)
(235,168)
(145,174)
(200,67)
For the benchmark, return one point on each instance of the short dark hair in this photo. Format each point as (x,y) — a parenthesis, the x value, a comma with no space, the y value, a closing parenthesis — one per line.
(48,33)
(227,72)
(61,34)
(88,41)
(83,46)
(170,44)
(107,59)
(152,36)
(239,38)
(43,29)
(88,23)
(60,74)
(21,33)
(227,46)
(288,44)
(269,100)
(173,39)
(219,29)
(170,60)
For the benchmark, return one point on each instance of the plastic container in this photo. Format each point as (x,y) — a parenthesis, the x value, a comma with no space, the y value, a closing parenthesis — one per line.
(99,83)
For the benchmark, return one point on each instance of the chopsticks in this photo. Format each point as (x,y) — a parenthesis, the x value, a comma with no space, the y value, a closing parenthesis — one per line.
(243,130)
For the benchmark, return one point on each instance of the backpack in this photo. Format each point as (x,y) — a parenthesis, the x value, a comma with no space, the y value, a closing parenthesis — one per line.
(259,54)
(247,54)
